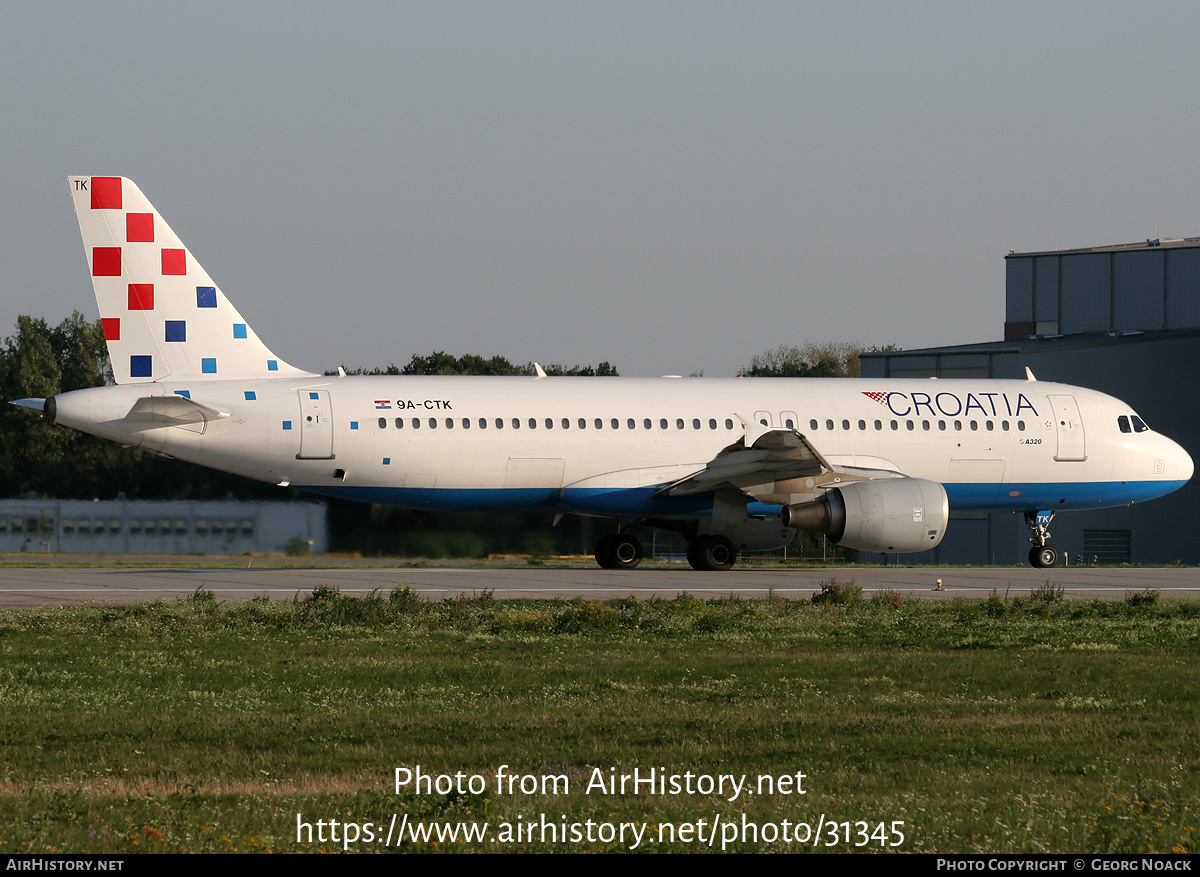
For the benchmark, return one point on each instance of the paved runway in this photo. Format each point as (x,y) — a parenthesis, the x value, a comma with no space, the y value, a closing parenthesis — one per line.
(65,586)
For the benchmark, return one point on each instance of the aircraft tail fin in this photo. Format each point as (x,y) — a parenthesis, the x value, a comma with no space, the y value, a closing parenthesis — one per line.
(163,315)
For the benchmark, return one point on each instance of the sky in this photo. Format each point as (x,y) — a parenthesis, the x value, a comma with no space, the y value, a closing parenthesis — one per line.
(672,187)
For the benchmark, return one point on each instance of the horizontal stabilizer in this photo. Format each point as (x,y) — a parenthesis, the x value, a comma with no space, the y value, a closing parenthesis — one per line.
(36,404)
(172,411)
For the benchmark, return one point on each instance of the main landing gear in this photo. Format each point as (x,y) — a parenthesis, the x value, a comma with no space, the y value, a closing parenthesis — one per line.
(711,553)
(618,551)
(1041,555)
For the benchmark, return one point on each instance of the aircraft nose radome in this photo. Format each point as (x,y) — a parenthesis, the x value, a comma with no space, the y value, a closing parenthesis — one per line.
(1186,466)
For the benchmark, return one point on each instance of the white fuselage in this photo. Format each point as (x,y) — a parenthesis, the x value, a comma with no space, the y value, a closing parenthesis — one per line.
(609,446)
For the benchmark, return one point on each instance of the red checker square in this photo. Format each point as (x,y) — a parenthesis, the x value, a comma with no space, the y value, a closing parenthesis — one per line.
(112,328)
(106,193)
(106,261)
(141,296)
(174,261)
(139,227)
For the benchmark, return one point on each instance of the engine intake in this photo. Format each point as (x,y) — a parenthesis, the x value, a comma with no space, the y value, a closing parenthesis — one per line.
(887,514)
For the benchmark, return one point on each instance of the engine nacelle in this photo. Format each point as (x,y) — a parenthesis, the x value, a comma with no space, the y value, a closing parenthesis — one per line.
(885,515)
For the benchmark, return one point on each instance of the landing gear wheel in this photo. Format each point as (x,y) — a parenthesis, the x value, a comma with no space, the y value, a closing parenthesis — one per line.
(605,555)
(711,553)
(625,551)
(1044,557)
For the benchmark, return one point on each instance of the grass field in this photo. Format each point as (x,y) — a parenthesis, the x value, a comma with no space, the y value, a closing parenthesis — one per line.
(1026,724)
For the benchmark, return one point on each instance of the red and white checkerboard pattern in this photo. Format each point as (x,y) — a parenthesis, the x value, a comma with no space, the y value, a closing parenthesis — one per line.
(163,316)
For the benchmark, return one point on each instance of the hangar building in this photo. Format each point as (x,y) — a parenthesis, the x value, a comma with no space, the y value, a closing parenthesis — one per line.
(1121,319)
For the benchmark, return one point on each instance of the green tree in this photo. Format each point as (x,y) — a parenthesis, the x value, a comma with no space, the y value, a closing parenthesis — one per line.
(442,363)
(831,359)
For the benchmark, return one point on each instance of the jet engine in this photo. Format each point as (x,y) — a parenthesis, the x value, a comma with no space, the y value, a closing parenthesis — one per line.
(886,514)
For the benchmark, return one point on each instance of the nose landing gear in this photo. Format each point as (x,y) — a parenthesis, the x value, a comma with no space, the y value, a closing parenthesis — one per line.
(1041,555)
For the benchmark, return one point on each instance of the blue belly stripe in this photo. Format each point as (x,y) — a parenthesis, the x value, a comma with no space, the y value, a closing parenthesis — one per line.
(642,502)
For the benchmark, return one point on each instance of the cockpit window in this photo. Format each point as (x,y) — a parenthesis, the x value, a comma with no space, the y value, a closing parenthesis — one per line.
(1138,425)
(1123,423)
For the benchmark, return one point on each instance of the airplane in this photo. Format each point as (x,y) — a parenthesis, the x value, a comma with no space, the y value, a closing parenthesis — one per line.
(733,465)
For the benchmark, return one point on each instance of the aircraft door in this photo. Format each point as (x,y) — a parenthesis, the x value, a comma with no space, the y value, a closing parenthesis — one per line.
(316,425)
(1072,444)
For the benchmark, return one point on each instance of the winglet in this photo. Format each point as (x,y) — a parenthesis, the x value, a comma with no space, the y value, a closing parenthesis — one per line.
(1029,374)
(541,372)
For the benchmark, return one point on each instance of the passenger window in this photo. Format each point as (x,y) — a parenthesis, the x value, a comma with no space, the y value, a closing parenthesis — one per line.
(862,424)
(566,423)
(990,426)
(845,424)
(662,424)
(399,423)
(760,420)
(433,423)
(974,425)
(1020,425)
(895,426)
(516,423)
(549,423)
(646,423)
(449,423)
(925,425)
(879,424)
(942,425)
(695,423)
(1004,425)
(1123,423)
(712,423)
(499,423)
(829,424)
(812,424)
(383,423)
(483,423)
(599,423)
(631,423)
(615,424)
(416,423)
(958,425)
(789,423)
(582,423)
(909,424)
(728,423)
(533,423)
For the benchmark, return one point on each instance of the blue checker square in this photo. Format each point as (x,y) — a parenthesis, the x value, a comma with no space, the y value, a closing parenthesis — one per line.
(206,296)
(176,330)
(287,424)
(387,461)
(250,397)
(314,395)
(272,365)
(354,424)
(187,394)
(140,366)
(239,330)
(208,365)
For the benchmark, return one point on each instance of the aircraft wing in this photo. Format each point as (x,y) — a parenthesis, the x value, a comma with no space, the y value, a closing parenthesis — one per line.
(764,455)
